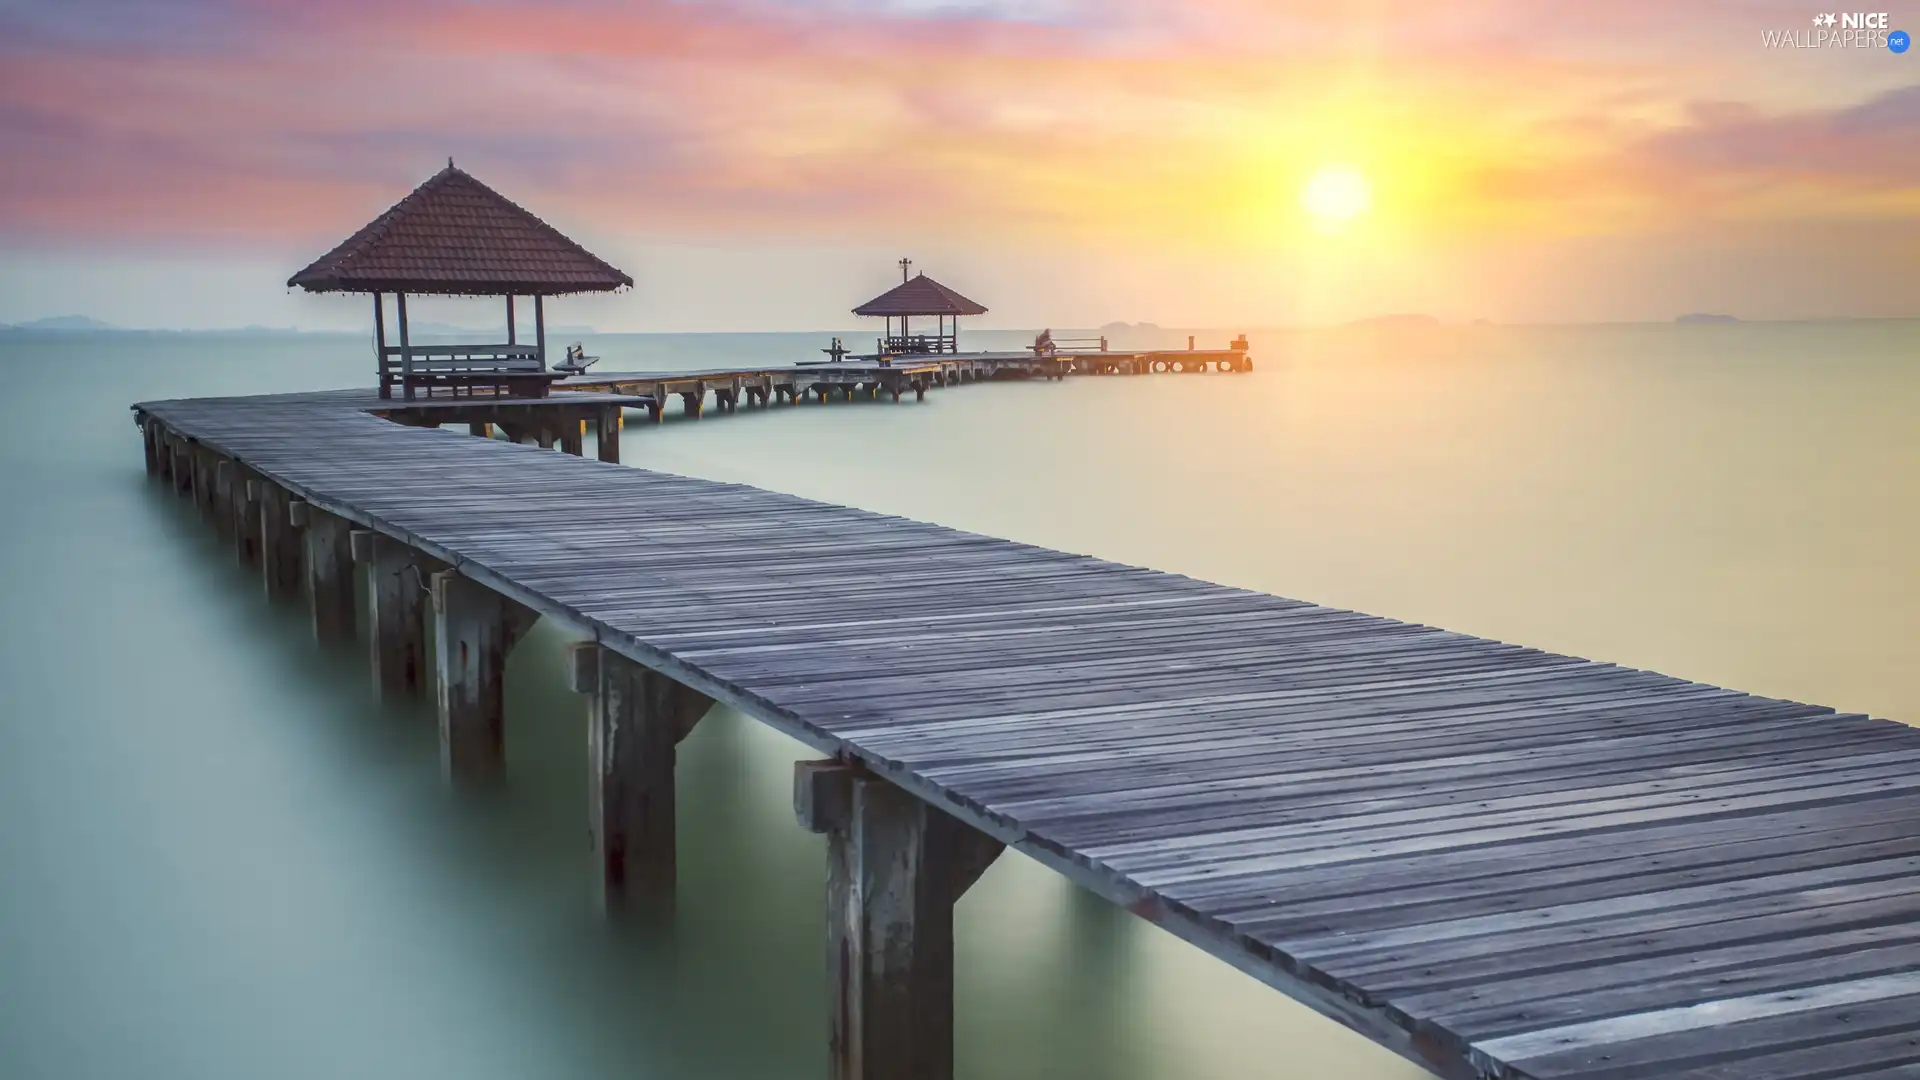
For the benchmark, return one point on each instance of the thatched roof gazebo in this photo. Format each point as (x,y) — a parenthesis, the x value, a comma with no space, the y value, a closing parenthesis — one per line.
(920,295)
(455,236)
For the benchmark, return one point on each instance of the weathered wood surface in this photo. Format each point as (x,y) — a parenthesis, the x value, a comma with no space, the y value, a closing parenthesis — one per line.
(1494,860)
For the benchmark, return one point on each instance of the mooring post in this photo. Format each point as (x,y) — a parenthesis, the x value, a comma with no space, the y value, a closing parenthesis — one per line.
(397,587)
(330,576)
(607,433)
(895,867)
(280,554)
(474,630)
(636,718)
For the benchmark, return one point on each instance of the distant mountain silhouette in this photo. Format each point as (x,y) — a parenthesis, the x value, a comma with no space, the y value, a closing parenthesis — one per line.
(1704,317)
(64,322)
(1122,327)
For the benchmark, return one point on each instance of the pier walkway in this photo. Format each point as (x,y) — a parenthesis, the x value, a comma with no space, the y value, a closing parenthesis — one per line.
(1496,861)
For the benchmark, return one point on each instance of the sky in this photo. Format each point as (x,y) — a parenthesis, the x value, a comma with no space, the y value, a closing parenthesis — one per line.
(760,164)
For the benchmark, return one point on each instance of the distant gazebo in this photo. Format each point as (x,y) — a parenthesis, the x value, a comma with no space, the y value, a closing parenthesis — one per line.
(455,236)
(919,295)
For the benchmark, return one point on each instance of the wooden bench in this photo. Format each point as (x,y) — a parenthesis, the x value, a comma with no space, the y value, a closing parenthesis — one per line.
(512,369)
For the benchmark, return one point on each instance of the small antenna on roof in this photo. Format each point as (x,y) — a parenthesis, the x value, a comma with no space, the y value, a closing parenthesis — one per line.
(904,265)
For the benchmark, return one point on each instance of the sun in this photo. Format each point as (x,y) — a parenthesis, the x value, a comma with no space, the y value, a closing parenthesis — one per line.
(1336,195)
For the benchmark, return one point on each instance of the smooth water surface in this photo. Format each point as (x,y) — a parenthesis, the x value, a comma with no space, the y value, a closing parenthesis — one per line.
(219,858)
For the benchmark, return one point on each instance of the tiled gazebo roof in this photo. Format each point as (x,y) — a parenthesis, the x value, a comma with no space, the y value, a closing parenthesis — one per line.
(455,235)
(921,295)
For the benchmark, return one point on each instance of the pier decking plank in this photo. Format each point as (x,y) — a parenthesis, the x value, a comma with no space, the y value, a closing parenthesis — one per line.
(1495,860)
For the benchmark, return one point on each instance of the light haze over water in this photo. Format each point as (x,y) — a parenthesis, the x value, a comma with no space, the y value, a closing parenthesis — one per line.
(221,860)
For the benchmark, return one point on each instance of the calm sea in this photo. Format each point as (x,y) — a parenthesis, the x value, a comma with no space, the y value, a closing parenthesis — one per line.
(220,860)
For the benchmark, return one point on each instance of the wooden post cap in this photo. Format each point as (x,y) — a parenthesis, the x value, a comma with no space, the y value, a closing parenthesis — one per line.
(360,545)
(297,513)
(822,794)
(583,667)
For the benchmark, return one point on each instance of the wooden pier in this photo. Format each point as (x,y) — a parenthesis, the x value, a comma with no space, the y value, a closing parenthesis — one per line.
(1496,861)
(894,377)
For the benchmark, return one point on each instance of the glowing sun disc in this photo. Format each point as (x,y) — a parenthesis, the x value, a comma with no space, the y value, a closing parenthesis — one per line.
(1336,194)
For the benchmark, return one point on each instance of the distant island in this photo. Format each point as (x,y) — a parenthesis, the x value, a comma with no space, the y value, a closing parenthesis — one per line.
(1704,317)
(64,322)
(1398,322)
(89,324)
(1123,327)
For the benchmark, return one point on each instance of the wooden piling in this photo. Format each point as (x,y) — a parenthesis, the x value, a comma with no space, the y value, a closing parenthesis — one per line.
(330,576)
(157,446)
(481,429)
(280,554)
(203,480)
(148,429)
(397,586)
(245,500)
(896,866)
(182,468)
(474,630)
(573,437)
(637,717)
(607,434)
(223,520)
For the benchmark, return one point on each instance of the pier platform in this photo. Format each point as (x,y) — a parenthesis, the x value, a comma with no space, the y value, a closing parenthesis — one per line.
(1496,861)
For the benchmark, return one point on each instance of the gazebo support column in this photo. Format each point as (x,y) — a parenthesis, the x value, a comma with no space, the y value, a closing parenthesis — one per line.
(380,345)
(637,717)
(397,585)
(540,328)
(406,342)
(475,628)
(895,868)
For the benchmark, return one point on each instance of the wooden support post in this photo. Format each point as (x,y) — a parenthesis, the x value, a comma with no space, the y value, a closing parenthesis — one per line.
(637,716)
(607,432)
(474,629)
(895,867)
(177,448)
(330,577)
(152,452)
(380,346)
(246,516)
(203,480)
(480,428)
(573,437)
(540,328)
(223,512)
(397,584)
(280,554)
(162,456)
(406,343)
(544,435)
